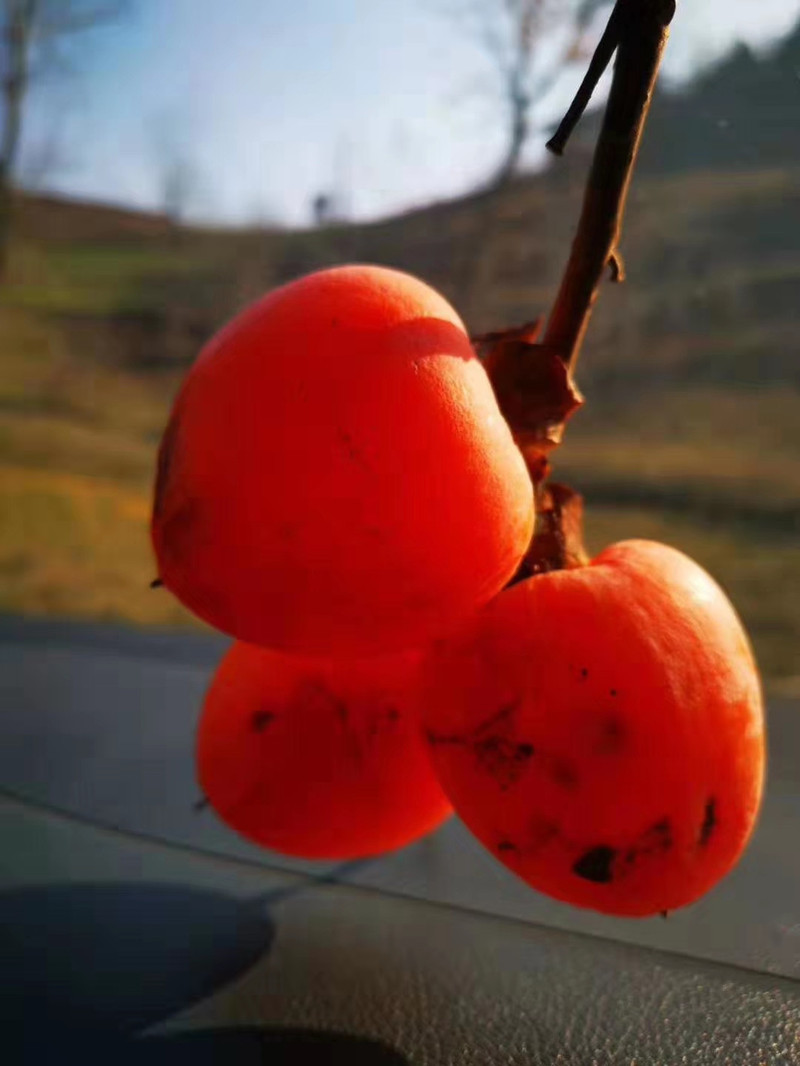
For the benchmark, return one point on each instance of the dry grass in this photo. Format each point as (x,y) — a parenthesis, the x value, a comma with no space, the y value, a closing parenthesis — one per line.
(78,546)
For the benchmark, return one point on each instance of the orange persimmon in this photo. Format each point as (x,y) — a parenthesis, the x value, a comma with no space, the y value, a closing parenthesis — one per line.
(318,758)
(600,730)
(336,476)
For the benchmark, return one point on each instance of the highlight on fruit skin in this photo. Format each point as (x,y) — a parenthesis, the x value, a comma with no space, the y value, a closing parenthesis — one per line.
(336,477)
(601,730)
(318,759)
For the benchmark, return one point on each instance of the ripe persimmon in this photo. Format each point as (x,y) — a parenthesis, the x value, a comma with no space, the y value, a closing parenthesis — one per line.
(316,758)
(336,476)
(600,730)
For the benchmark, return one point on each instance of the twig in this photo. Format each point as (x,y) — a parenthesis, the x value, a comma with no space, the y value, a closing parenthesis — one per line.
(639,28)
(606,48)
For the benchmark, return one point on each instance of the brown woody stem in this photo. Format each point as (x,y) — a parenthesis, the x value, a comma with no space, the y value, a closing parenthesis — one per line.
(532,377)
(640,29)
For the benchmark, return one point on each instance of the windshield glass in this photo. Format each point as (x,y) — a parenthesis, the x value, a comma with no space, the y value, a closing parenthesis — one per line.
(137,231)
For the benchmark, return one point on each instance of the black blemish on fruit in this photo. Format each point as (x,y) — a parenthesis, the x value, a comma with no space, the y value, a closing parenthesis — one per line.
(507,846)
(709,822)
(354,453)
(260,720)
(654,841)
(502,715)
(611,736)
(178,527)
(596,865)
(660,835)
(498,718)
(314,693)
(444,738)
(613,692)
(156,583)
(540,831)
(502,758)
(584,673)
(563,772)
(664,914)
(164,465)
(392,714)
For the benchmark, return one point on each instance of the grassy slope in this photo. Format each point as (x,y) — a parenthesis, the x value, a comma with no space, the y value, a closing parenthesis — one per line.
(690,435)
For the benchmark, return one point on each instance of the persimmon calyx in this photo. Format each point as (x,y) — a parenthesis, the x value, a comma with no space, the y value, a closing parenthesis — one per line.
(534,388)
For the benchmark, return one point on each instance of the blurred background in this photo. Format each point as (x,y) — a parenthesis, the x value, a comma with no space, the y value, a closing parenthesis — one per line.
(163,162)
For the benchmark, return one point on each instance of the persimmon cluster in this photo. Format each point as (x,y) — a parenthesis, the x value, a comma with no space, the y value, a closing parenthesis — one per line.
(338,490)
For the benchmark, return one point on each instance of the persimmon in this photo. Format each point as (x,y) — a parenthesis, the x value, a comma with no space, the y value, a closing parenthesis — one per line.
(600,729)
(336,477)
(322,759)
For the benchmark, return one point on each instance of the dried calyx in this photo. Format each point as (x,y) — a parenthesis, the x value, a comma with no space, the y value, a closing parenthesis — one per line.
(532,378)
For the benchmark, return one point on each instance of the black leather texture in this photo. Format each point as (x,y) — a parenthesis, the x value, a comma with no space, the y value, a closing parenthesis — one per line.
(266,967)
(450,988)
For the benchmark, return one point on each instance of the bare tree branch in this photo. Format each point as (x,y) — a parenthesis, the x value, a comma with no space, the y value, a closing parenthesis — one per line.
(521,38)
(29,29)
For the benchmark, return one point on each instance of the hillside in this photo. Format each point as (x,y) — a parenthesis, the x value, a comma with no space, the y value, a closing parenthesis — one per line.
(690,433)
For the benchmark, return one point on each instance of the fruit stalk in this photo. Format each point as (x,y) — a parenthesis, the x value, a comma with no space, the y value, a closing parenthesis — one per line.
(640,29)
(532,375)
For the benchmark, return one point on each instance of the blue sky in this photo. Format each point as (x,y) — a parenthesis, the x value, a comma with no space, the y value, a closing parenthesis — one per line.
(270,101)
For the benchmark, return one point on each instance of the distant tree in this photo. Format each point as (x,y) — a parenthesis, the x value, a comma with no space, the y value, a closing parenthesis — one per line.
(32,33)
(178,185)
(178,179)
(529,43)
(323,209)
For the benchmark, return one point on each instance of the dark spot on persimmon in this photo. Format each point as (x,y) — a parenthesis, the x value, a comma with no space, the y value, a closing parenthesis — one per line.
(443,738)
(506,846)
(613,692)
(260,720)
(502,716)
(392,714)
(596,865)
(584,673)
(156,583)
(611,736)
(709,822)
(178,528)
(502,758)
(563,772)
(165,465)
(315,693)
(654,841)
(540,831)
(354,453)
(477,736)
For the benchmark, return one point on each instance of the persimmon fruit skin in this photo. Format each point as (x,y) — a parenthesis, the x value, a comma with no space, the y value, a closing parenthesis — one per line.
(336,477)
(319,759)
(601,730)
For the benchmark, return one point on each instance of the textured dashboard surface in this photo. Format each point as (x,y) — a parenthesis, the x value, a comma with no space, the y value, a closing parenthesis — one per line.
(270,967)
